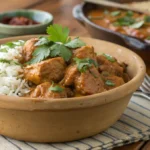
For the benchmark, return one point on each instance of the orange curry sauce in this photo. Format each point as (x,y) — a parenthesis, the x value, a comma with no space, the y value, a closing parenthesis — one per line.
(123,21)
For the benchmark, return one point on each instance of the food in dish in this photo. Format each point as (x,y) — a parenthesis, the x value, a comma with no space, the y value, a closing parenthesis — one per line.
(18,21)
(126,22)
(57,66)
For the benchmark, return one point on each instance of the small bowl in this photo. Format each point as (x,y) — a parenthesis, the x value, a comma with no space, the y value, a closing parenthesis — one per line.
(44,18)
(67,119)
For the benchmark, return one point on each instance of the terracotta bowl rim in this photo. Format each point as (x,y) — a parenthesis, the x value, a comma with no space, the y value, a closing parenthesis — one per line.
(29,104)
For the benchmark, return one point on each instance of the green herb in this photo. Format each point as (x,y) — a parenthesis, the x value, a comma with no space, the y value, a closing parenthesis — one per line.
(5,61)
(110,58)
(60,50)
(42,41)
(58,34)
(148,38)
(41,53)
(110,83)
(75,43)
(3,50)
(125,21)
(129,13)
(56,88)
(56,44)
(84,64)
(137,25)
(147,19)
(106,12)
(115,13)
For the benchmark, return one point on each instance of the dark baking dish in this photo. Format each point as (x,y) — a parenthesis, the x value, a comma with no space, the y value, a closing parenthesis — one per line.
(139,46)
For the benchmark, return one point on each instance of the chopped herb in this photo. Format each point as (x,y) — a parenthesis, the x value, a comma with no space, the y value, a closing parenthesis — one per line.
(95,17)
(56,44)
(58,34)
(110,83)
(56,88)
(84,64)
(75,43)
(3,50)
(115,13)
(147,19)
(129,13)
(42,41)
(148,38)
(106,12)
(110,58)
(125,21)
(137,25)
(5,61)
(39,54)
(60,50)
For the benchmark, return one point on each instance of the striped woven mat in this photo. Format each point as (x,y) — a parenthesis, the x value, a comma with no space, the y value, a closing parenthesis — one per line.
(134,125)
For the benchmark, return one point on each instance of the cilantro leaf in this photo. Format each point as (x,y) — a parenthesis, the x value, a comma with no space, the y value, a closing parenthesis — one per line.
(148,38)
(115,13)
(110,83)
(147,19)
(58,33)
(55,88)
(84,64)
(3,50)
(75,43)
(110,58)
(129,13)
(137,25)
(5,61)
(42,41)
(60,50)
(124,21)
(39,54)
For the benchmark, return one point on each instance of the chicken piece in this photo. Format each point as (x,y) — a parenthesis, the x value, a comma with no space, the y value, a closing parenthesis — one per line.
(51,69)
(85,52)
(89,82)
(112,81)
(70,75)
(43,91)
(113,68)
(28,49)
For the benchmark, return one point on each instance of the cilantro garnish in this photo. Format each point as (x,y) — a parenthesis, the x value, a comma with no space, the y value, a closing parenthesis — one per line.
(137,25)
(58,43)
(129,13)
(41,53)
(147,19)
(110,58)
(55,88)
(5,61)
(84,64)
(124,21)
(148,38)
(4,50)
(115,13)
(110,83)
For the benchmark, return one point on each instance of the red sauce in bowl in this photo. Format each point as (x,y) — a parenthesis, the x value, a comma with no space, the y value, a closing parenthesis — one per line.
(18,21)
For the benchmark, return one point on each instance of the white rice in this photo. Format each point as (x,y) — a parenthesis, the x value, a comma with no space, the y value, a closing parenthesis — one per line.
(11,71)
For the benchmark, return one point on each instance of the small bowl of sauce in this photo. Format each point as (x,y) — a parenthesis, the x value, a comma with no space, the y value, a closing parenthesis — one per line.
(24,22)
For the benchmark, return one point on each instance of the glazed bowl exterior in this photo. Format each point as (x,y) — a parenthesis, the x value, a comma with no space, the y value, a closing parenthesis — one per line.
(67,119)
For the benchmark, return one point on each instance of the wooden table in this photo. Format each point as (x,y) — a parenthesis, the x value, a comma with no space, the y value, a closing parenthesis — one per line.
(62,11)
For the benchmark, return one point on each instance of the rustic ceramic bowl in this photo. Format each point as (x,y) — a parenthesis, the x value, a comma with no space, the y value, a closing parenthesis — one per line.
(44,19)
(67,119)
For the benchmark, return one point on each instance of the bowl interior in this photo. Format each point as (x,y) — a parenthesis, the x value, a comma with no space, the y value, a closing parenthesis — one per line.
(36,15)
(136,70)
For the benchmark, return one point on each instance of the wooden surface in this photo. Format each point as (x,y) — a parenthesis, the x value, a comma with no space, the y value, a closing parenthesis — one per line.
(62,11)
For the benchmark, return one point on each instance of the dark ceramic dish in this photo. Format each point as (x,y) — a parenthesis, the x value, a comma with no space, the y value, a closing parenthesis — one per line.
(139,46)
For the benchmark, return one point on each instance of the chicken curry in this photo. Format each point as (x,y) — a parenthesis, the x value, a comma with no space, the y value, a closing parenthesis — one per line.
(126,22)
(58,67)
